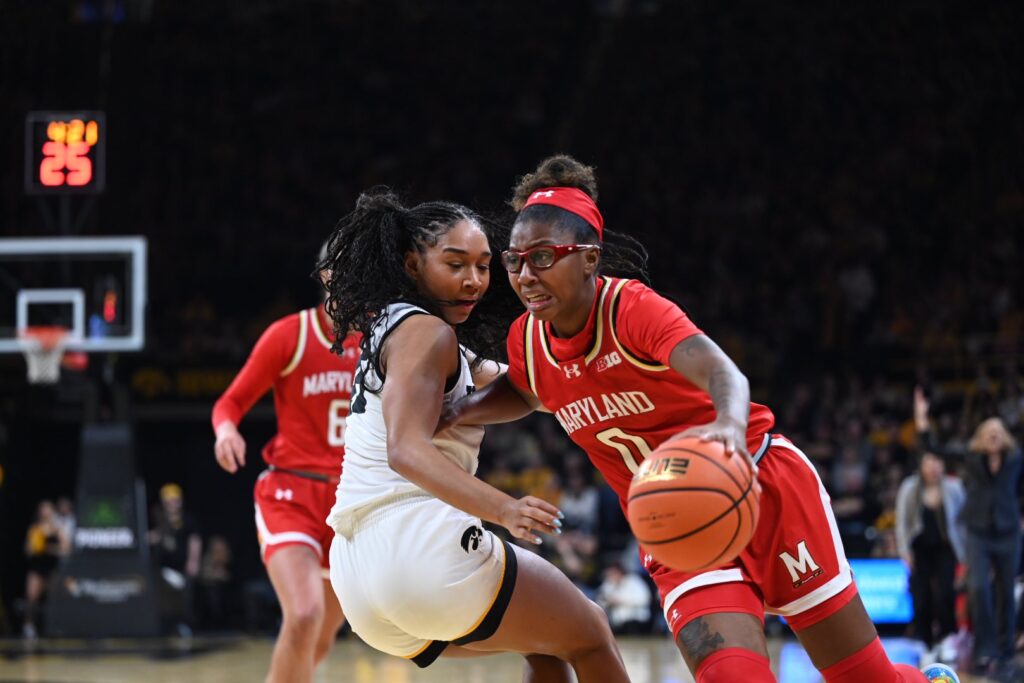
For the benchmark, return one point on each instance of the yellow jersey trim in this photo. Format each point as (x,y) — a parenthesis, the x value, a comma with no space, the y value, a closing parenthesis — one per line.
(300,348)
(314,317)
(639,362)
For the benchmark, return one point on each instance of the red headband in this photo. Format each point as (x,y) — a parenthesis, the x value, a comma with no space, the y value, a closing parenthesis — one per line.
(571,199)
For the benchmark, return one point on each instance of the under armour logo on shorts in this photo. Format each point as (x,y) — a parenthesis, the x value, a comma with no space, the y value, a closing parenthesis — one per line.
(283,494)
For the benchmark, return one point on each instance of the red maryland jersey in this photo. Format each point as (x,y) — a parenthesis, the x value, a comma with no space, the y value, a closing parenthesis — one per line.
(312,388)
(610,386)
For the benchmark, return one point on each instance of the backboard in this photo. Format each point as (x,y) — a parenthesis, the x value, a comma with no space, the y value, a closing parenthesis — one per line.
(93,286)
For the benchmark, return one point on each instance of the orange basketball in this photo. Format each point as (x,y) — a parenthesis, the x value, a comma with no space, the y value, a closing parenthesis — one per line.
(691,506)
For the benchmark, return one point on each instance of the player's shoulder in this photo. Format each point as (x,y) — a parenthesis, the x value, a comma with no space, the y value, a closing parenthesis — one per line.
(286,327)
(517,333)
(636,295)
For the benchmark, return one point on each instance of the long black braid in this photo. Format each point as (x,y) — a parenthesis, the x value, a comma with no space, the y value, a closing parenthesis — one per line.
(366,259)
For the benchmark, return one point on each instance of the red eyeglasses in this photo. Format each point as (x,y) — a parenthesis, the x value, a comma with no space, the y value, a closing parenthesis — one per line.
(541,257)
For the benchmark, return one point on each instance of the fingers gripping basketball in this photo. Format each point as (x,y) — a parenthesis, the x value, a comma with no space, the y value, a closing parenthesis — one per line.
(691,506)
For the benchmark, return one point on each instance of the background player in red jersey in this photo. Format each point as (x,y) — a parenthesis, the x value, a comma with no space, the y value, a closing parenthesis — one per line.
(623,370)
(312,389)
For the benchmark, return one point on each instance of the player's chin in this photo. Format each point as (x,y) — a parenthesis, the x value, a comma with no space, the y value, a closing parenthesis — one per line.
(455,315)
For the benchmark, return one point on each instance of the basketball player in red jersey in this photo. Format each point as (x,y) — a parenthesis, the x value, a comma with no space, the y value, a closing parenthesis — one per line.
(623,370)
(312,388)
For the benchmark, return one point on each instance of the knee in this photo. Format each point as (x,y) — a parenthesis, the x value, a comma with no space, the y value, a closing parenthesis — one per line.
(304,617)
(596,635)
(734,664)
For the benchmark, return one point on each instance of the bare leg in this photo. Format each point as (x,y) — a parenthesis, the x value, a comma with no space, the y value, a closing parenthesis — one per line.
(333,620)
(837,637)
(548,615)
(295,573)
(712,632)
(35,586)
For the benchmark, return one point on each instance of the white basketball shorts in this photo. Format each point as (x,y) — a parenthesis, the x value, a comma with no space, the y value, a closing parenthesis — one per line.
(418,574)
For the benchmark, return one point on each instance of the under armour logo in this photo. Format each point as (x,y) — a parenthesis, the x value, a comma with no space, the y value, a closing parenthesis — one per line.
(283,494)
(648,560)
(471,537)
(547,193)
(572,370)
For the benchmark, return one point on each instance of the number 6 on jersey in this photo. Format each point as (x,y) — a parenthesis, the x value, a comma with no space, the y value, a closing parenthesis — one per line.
(336,413)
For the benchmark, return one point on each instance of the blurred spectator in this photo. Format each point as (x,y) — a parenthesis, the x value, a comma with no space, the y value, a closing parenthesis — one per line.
(930,537)
(214,585)
(65,517)
(991,469)
(177,549)
(626,598)
(577,545)
(45,543)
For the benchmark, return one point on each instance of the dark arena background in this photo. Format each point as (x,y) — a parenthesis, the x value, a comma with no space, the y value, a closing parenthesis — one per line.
(834,194)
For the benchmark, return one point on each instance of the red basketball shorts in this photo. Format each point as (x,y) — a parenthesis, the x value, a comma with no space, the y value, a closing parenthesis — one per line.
(292,510)
(794,565)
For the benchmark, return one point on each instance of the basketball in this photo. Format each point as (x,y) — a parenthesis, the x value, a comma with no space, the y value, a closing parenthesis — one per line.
(691,506)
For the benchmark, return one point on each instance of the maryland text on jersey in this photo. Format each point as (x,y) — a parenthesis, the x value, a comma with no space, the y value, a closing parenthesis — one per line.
(329,382)
(592,410)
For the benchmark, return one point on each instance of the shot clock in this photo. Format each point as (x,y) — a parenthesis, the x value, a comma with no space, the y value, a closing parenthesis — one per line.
(65,152)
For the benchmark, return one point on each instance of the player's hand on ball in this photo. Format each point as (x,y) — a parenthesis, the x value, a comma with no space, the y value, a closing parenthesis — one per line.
(229,448)
(729,433)
(526,516)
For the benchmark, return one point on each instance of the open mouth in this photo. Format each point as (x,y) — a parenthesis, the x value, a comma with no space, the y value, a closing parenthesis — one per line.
(536,302)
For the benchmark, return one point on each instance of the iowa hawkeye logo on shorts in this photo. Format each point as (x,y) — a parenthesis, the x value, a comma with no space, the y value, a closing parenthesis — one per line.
(472,537)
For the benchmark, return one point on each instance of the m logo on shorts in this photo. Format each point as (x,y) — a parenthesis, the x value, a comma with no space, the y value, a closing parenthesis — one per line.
(803,568)
(471,537)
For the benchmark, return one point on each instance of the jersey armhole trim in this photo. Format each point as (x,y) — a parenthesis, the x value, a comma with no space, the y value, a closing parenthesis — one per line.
(531,378)
(638,361)
(300,348)
(314,318)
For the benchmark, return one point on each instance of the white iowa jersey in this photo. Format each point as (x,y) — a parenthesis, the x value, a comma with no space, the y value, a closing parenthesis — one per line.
(367,481)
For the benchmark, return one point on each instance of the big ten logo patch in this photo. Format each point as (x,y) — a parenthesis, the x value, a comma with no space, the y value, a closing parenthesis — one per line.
(609,360)
(471,538)
(803,568)
(653,468)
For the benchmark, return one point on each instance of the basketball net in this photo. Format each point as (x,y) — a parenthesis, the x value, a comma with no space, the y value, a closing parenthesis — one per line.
(43,346)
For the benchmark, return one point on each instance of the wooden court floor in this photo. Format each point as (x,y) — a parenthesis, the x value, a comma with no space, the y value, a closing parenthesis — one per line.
(649,660)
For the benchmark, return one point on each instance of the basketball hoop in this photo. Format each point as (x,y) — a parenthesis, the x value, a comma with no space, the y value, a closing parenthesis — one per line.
(43,346)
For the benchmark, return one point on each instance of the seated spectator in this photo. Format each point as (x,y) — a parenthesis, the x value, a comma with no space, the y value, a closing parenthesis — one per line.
(577,545)
(214,585)
(626,598)
(177,548)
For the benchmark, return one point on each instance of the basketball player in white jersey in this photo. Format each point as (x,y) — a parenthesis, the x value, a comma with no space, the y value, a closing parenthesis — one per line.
(411,561)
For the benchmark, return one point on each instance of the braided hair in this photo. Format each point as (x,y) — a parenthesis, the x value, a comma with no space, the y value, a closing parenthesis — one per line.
(620,254)
(365,258)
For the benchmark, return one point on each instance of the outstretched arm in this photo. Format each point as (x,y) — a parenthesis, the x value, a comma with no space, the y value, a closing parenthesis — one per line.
(265,363)
(500,401)
(418,358)
(705,364)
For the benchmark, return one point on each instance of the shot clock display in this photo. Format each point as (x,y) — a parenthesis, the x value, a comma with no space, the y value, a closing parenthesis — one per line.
(65,152)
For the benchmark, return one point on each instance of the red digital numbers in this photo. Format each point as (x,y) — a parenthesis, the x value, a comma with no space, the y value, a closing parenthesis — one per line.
(65,154)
